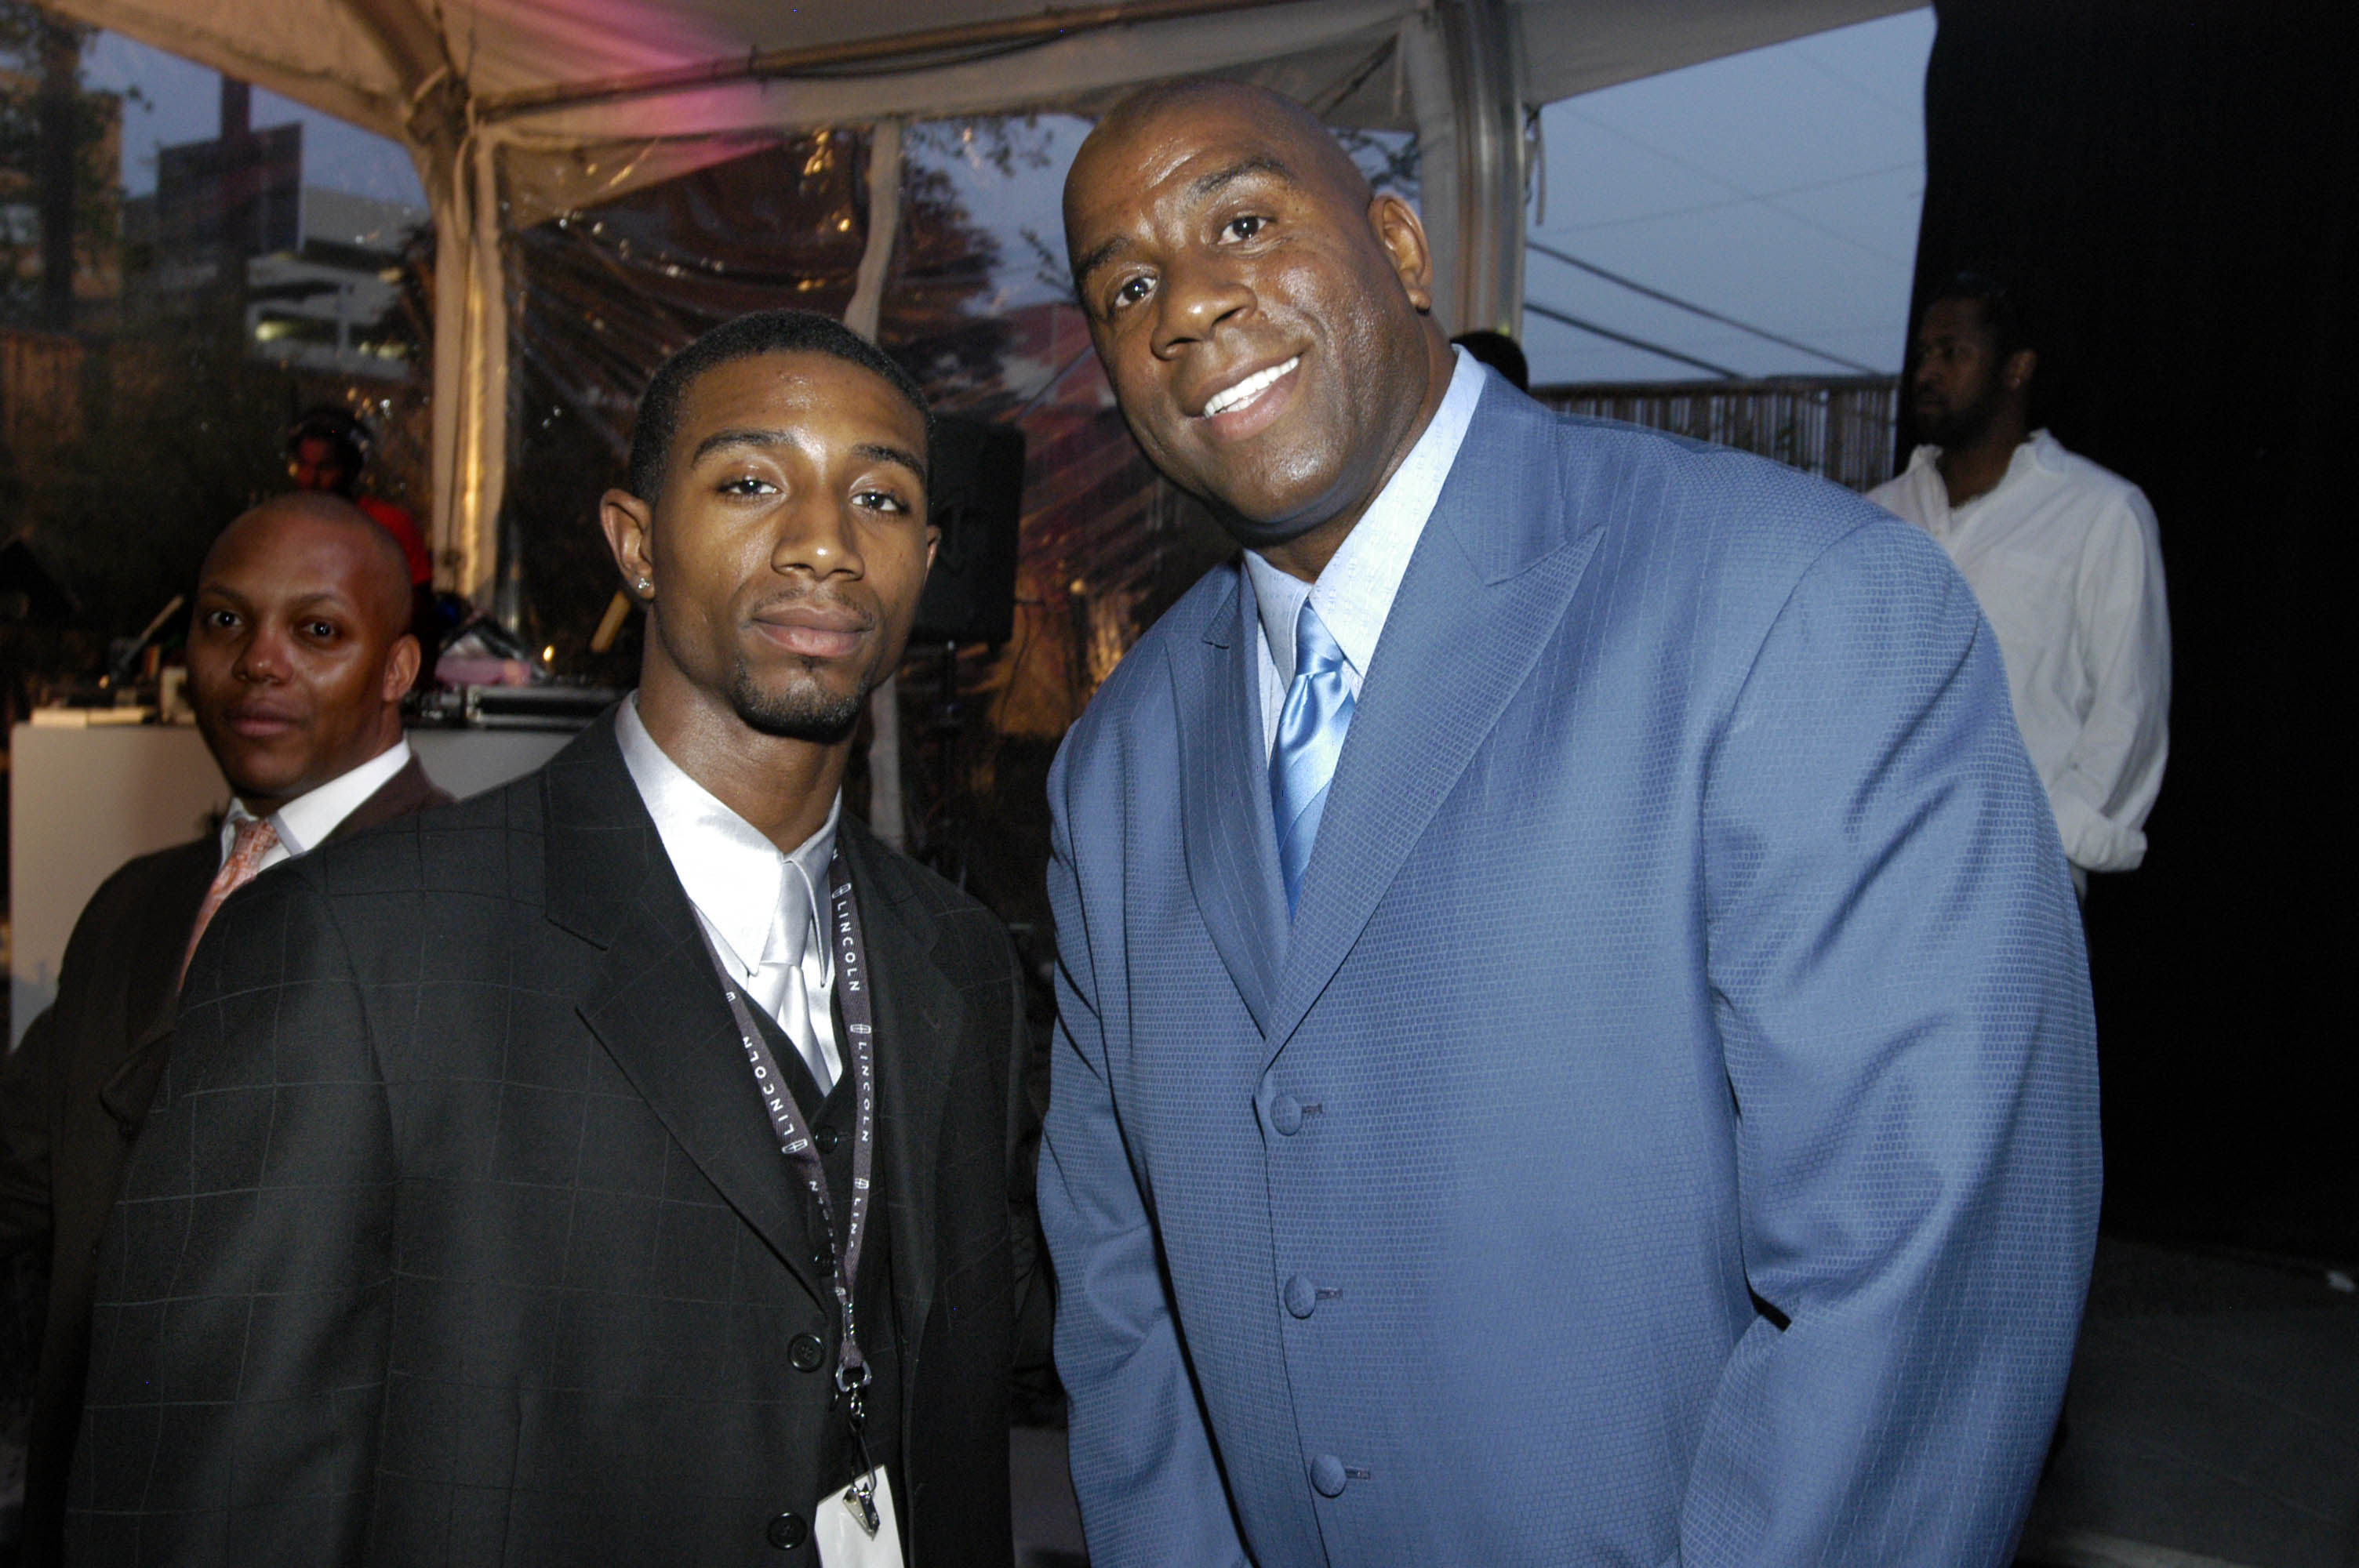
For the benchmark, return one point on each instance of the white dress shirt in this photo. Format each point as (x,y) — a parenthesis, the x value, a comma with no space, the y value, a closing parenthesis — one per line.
(305,822)
(2065,559)
(1354,593)
(761,908)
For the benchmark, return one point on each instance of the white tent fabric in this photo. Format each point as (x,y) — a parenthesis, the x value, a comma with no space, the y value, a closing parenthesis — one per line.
(518,110)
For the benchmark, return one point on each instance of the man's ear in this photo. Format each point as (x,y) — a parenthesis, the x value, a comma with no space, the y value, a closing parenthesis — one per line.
(2020,366)
(630,525)
(1403,238)
(401,666)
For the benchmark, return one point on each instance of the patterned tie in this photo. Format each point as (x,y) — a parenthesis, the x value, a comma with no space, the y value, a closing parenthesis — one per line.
(1309,737)
(254,839)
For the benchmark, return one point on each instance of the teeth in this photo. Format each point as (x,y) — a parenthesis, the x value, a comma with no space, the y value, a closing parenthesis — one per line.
(1245,391)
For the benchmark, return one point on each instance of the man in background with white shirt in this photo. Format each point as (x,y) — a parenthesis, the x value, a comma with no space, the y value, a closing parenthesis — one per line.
(298,655)
(2065,559)
(644,1149)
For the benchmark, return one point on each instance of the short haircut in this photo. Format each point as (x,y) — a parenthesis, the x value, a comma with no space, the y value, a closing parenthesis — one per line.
(762,332)
(2006,312)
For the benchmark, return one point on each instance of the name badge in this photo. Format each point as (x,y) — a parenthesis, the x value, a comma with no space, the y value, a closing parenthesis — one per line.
(842,1534)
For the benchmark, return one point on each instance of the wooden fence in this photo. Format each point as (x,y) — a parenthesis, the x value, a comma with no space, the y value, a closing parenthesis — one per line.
(1839,428)
(40,389)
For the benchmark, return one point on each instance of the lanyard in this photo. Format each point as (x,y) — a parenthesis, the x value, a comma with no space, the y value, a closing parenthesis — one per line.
(852,1370)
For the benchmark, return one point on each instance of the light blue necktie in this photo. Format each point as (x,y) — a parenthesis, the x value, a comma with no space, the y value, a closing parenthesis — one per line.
(1309,737)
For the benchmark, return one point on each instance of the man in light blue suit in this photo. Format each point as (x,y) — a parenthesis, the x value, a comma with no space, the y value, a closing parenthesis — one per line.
(1574,1043)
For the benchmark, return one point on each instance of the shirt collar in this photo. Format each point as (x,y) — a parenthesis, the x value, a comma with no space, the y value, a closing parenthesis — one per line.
(304,823)
(1355,594)
(732,874)
(2039,449)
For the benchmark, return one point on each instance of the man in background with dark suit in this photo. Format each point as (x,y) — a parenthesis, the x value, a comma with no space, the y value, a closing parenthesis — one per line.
(630,1165)
(298,655)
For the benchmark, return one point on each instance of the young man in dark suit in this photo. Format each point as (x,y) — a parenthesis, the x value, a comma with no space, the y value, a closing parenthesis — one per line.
(298,655)
(628,1166)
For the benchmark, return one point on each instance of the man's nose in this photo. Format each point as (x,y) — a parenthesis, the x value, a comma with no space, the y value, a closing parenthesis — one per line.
(263,660)
(815,534)
(1197,296)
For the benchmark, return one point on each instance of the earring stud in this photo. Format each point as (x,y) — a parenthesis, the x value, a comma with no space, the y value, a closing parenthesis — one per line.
(646,587)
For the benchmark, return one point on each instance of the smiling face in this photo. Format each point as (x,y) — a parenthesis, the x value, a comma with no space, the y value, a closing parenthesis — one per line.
(1262,316)
(788,544)
(298,648)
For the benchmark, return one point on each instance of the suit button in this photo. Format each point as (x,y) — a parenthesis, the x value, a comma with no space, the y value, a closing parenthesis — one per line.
(806,1351)
(1326,1476)
(1286,1115)
(827,1138)
(1301,1297)
(789,1530)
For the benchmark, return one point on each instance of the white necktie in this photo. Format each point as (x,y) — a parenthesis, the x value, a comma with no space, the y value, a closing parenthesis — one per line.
(793,969)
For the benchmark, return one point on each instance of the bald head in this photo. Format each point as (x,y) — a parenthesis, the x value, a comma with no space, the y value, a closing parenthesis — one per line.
(1264,316)
(332,524)
(299,647)
(1182,114)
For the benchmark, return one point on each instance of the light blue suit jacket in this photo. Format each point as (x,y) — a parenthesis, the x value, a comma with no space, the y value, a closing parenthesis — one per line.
(1668,1132)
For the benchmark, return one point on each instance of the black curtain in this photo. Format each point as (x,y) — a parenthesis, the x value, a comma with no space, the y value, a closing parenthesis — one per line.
(2179,176)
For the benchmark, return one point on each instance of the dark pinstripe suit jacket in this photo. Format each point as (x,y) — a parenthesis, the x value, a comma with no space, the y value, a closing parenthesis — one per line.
(74,1093)
(457,1233)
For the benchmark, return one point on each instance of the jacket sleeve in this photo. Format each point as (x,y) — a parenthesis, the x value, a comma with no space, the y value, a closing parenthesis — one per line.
(1142,1460)
(244,1296)
(28,1098)
(1028,1087)
(1903,1005)
(2122,640)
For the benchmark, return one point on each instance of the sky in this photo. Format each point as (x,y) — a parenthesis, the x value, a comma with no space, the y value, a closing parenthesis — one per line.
(1779,188)
(181,103)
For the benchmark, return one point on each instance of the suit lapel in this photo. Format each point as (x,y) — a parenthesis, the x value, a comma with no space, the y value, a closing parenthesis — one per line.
(1231,847)
(918,1015)
(1492,575)
(656,1002)
(153,1001)
(408,790)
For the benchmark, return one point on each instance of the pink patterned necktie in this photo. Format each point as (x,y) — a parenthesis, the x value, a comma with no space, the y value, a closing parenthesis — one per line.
(256,838)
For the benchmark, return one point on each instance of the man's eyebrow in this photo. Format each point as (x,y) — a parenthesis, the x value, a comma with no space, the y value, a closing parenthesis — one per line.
(1098,258)
(740,437)
(1260,162)
(879,452)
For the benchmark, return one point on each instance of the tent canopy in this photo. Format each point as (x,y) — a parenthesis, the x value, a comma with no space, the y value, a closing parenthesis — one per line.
(518,110)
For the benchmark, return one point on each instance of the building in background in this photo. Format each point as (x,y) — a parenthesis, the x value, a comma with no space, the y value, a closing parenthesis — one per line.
(320,305)
(315,271)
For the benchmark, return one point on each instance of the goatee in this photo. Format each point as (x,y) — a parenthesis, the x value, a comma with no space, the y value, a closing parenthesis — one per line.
(1956,427)
(803,715)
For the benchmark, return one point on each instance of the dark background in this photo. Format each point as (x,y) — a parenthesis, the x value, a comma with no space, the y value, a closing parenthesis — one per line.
(2181,176)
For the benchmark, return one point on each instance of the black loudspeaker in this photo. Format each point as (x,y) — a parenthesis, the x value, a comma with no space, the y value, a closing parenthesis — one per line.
(977,501)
